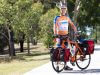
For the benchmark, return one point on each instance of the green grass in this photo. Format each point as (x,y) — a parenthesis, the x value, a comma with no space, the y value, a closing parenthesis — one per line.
(23,63)
(22,66)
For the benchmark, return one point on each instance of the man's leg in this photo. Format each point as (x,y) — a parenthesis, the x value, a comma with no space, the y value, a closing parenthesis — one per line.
(72,55)
(67,67)
(58,42)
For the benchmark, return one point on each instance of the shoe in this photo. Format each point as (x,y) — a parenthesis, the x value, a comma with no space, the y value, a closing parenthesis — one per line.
(68,68)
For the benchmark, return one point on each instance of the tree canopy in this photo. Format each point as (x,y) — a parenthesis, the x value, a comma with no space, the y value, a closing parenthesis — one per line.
(35,17)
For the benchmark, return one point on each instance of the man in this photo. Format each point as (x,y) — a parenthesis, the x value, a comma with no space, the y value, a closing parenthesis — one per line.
(61,24)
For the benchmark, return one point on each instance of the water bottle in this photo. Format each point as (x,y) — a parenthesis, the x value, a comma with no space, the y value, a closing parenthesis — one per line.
(73,50)
(84,49)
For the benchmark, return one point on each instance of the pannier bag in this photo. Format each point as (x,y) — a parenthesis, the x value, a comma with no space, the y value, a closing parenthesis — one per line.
(54,54)
(57,55)
(89,46)
(66,55)
(63,55)
(51,53)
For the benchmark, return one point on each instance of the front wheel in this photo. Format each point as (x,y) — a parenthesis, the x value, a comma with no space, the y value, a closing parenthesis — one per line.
(58,64)
(81,61)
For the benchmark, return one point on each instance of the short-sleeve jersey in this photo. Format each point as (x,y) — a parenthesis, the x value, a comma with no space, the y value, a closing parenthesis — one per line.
(61,25)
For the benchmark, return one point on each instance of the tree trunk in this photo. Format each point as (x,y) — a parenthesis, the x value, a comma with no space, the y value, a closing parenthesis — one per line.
(1,51)
(11,43)
(28,45)
(21,40)
(64,2)
(21,46)
(76,11)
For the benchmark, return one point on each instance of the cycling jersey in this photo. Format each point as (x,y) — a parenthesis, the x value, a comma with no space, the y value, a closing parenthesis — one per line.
(61,24)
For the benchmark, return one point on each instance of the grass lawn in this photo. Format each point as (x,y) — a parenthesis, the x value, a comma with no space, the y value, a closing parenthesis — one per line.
(23,62)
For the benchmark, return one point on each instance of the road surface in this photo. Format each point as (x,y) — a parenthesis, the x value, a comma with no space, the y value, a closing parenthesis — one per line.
(93,69)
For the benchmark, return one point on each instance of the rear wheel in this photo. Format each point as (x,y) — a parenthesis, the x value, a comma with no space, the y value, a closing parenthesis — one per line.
(57,64)
(81,61)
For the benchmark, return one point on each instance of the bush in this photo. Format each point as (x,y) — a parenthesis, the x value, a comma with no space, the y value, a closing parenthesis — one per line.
(46,26)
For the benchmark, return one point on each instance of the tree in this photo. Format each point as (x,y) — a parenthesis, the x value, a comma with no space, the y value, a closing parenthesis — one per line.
(3,38)
(88,16)
(20,16)
(46,26)
(28,17)
(7,18)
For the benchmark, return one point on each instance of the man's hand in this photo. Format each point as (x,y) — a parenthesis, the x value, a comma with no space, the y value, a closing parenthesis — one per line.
(76,34)
(55,35)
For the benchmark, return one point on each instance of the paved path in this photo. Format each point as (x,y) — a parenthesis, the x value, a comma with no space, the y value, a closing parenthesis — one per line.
(93,69)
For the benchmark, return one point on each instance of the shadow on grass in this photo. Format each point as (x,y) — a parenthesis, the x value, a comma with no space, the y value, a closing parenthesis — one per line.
(38,54)
(83,71)
(27,58)
(23,57)
(39,59)
(25,49)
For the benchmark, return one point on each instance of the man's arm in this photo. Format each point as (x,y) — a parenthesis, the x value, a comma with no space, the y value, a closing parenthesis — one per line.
(72,25)
(54,26)
(54,29)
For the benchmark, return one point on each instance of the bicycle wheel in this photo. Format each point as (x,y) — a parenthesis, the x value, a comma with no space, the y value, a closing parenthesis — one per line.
(81,61)
(57,64)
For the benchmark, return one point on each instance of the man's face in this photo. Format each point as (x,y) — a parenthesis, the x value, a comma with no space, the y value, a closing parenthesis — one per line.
(63,11)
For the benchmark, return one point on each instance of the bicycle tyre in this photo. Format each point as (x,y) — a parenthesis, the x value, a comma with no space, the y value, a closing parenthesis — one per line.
(82,68)
(57,68)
